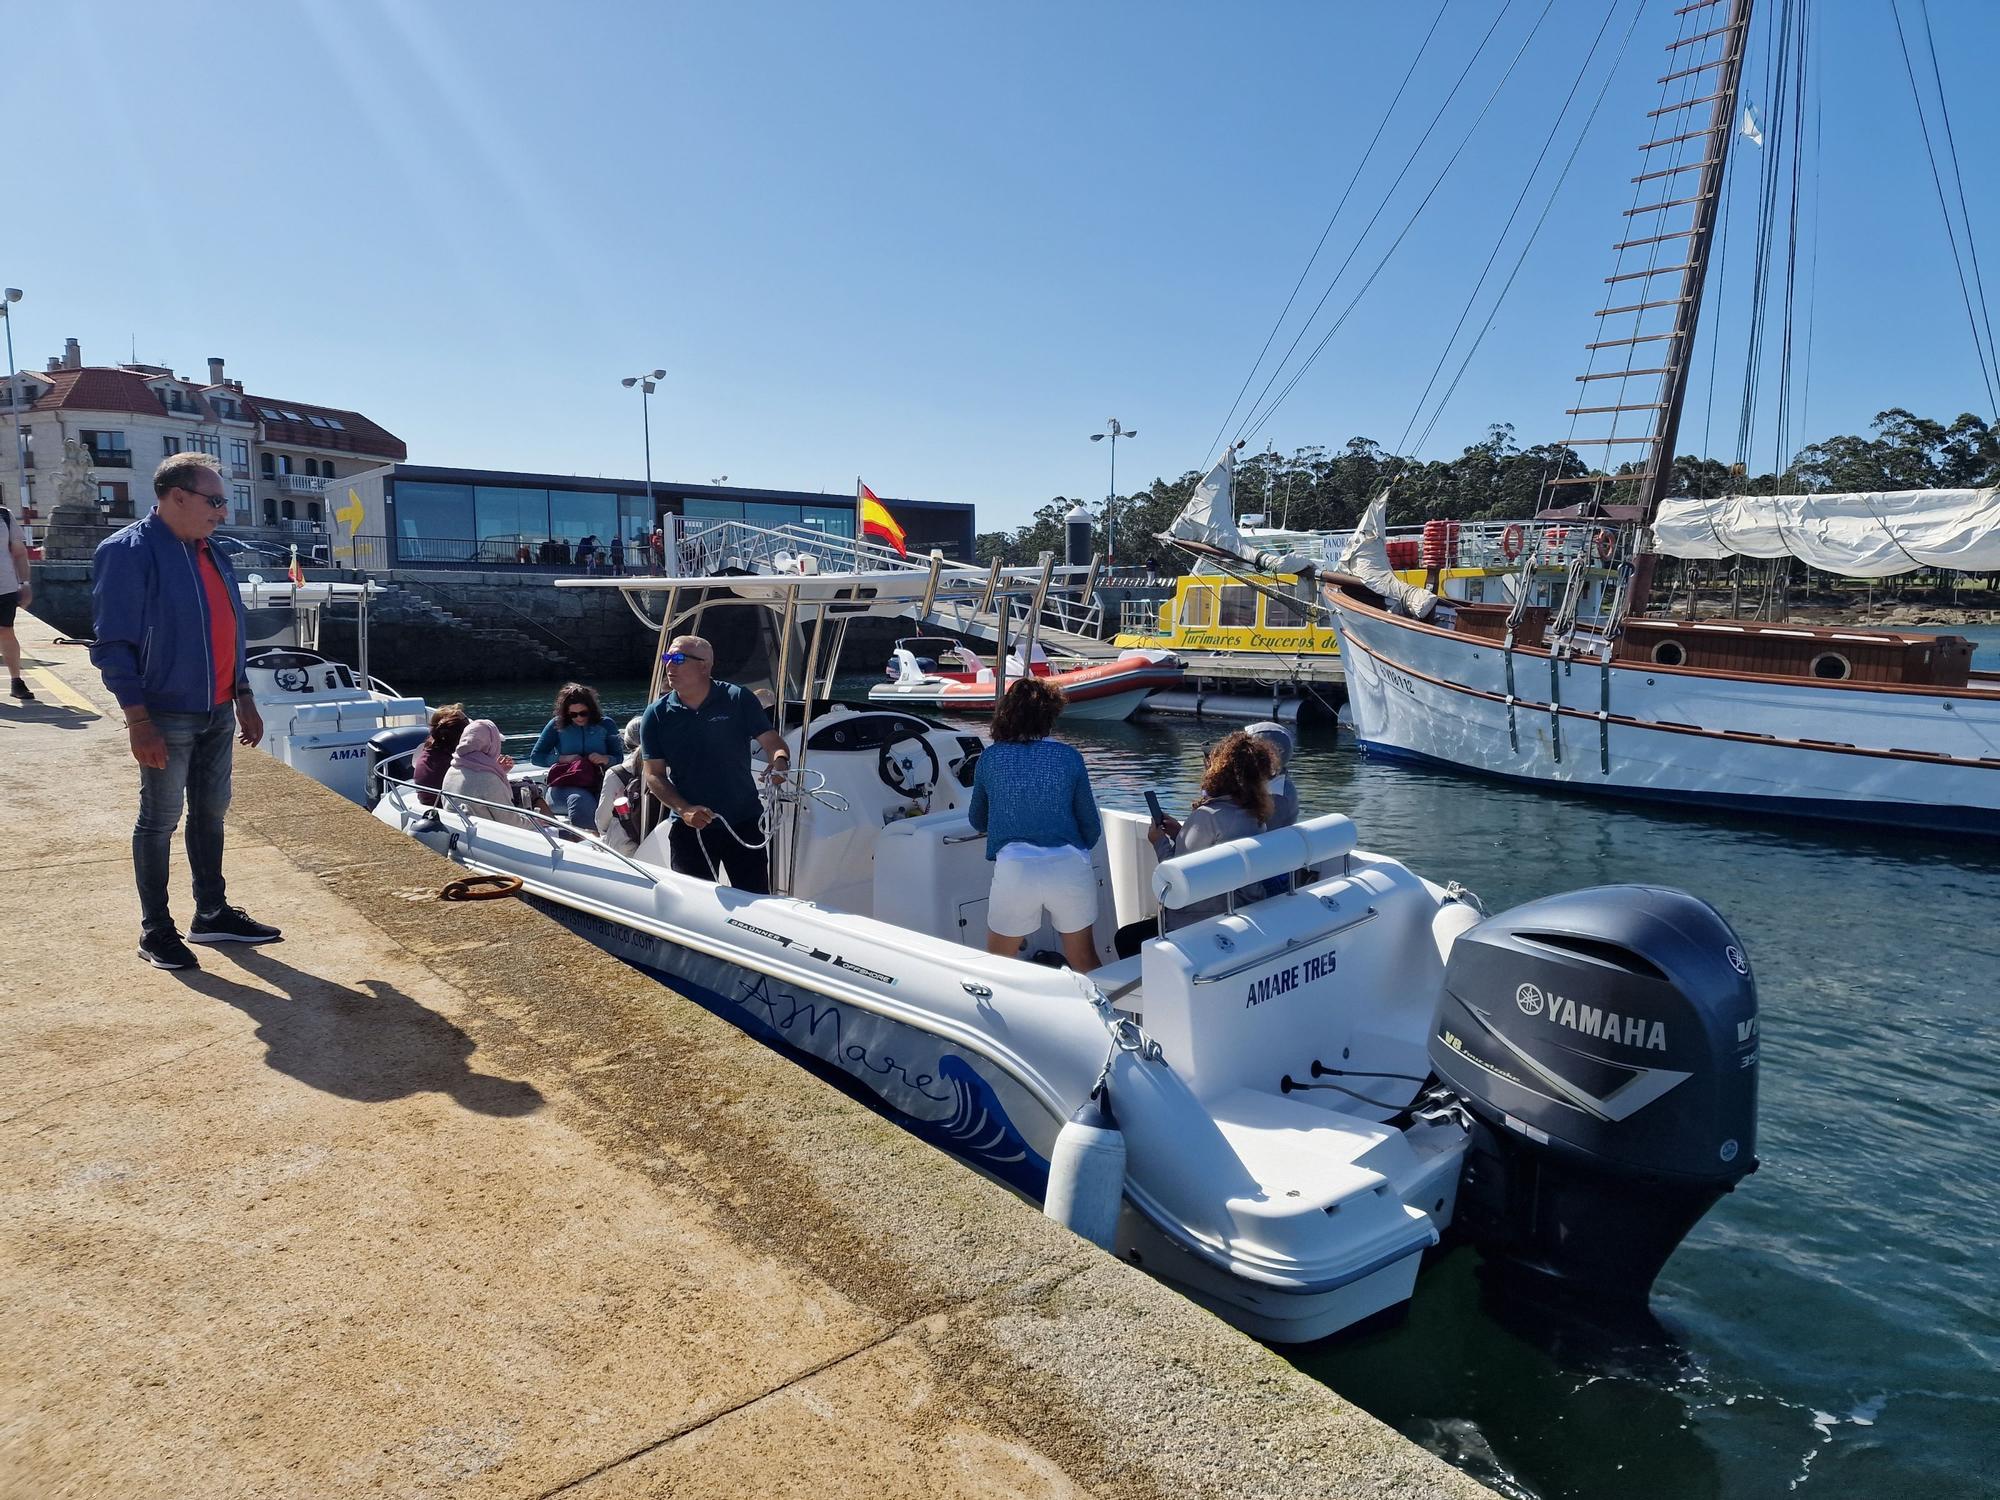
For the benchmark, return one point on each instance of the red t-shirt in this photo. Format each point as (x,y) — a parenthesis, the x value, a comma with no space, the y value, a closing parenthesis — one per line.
(221,627)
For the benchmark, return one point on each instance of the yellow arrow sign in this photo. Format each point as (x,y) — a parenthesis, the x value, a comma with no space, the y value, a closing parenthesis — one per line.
(351,513)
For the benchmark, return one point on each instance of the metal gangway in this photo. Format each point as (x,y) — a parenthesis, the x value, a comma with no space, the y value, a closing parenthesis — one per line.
(1054,606)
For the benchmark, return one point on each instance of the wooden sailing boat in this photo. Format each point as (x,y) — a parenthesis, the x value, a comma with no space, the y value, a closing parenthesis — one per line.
(1856,725)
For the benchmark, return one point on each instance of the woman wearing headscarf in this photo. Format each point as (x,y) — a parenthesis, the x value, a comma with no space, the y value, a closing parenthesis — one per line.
(1031,798)
(433,757)
(618,802)
(479,769)
(577,744)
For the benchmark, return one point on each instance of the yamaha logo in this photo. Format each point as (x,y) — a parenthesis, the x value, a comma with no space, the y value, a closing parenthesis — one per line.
(1529,998)
(1736,960)
(1728,1152)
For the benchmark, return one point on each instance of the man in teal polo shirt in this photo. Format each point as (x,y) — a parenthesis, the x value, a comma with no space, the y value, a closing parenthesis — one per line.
(696,742)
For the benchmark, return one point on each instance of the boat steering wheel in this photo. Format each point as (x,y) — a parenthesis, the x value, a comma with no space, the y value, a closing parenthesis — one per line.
(292,680)
(898,768)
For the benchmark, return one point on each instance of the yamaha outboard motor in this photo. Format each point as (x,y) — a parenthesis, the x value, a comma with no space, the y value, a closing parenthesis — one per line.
(1605,1043)
(395,747)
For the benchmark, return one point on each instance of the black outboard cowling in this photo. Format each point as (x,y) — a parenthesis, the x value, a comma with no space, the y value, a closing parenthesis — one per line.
(1605,1042)
(395,747)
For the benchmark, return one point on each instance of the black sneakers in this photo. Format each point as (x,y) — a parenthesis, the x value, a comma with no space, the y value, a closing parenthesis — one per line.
(165,950)
(231,925)
(21,691)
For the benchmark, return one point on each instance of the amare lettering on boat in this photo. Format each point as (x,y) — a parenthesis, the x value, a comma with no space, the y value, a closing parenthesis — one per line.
(1289,978)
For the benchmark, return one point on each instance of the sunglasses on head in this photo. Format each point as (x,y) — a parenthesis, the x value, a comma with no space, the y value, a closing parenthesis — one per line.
(215,502)
(675,658)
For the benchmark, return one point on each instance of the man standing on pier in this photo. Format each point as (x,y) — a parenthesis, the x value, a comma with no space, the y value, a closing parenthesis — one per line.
(696,741)
(170,648)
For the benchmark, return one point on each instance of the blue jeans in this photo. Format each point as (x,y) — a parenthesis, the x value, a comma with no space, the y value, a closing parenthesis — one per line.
(199,752)
(577,804)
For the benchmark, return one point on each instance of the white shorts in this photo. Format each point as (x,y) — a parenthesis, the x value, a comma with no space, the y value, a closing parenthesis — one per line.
(1028,880)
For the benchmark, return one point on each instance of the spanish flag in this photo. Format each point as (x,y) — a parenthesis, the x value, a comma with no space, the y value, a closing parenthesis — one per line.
(876,521)
(297,573)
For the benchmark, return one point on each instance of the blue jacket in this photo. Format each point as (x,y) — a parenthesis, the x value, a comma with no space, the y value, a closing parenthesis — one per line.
(152,643)
(558,741)
(1036,792)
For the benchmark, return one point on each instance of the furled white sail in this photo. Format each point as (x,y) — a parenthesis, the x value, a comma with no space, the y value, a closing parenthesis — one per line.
(1366,557)
(1860,535)
(1209,518)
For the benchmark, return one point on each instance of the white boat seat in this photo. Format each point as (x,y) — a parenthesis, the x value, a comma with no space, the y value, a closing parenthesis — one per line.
(1211,873)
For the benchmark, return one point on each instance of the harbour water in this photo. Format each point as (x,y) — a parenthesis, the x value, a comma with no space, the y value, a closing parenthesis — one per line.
(1831,1328)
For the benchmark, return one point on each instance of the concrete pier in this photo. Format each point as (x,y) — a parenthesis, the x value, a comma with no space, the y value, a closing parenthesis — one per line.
(436,1199)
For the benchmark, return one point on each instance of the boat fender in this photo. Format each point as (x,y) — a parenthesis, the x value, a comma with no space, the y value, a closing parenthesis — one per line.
(1087,1172)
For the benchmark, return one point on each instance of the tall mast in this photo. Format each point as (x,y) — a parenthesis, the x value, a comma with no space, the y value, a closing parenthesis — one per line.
(1665,356)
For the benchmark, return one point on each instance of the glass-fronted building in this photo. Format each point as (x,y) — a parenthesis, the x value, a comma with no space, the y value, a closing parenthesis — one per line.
(415,515)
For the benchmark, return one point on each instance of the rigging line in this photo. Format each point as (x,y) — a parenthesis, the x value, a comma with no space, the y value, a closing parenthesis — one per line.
(1450,97)
(1985,371)
(1339,208)
(1965,217)
(1415,214)
(1723,238)
(1812,267)
(1555,191)
(1500,240)
(1767,209)
(1796,146)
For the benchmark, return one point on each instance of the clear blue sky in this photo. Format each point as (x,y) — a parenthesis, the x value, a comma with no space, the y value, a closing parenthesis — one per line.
(933,245)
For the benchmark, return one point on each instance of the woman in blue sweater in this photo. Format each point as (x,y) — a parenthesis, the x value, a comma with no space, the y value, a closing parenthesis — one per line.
(577,744)
(1031,798)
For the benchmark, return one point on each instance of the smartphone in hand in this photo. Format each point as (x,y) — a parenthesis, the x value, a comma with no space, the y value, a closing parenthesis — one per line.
(1153,805)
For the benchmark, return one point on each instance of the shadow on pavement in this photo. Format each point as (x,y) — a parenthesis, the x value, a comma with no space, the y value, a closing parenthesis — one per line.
(371,1044)
(60,715)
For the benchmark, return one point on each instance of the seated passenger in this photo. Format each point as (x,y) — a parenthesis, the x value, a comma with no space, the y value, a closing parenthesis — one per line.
(1031,798)
(433,757)
(618,801)
(1235,803)
(697,749)
(578,744)
(479,769)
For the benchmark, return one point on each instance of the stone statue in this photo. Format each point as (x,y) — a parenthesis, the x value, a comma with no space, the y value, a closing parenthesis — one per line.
(77,483)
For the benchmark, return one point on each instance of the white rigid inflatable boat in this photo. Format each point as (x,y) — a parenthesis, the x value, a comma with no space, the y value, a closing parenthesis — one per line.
(1292,1205)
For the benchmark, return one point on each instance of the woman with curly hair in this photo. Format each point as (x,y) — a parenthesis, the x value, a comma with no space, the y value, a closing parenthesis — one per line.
(1031,798)
(577,744)
(1235,802)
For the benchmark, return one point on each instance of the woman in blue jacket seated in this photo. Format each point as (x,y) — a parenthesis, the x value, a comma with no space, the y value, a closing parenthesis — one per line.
(576,745)
(1031,798)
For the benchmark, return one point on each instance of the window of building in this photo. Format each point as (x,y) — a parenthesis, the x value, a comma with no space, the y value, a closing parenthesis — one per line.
(270,466)
(239,453)
(27,447)
(270,511)
(635,518)
(288,509)
(312,511)
(334,423)
(1239,605)
(834,520)
(317,421)
(292,416)
(269,413)
(509,517)
(326,468)
(206,442)
(224,407)
(576,514)
(7,394)
(239,495)
(434,522)
(171,444)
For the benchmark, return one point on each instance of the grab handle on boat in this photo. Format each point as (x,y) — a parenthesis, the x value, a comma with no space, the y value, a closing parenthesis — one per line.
(1264,958)
(962,838)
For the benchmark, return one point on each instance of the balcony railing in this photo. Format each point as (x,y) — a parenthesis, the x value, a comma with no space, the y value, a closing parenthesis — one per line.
(111,458)
(300,484)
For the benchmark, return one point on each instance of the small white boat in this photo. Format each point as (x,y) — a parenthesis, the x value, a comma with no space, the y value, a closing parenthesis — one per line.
(1278,1108)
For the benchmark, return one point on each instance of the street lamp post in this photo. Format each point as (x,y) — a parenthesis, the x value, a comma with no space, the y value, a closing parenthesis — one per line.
(7,299)
(646,385)
(1113,431)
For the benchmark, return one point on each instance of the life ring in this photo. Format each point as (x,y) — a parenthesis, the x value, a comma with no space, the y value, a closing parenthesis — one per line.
(481,888)
(1511,539)
(1607,543)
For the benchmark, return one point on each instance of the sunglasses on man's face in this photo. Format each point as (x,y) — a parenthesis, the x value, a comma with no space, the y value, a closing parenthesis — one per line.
(215,502)
(675,658)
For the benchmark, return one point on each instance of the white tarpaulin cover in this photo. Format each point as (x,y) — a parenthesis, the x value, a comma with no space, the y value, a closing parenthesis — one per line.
(1855,535)
(1366,557)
